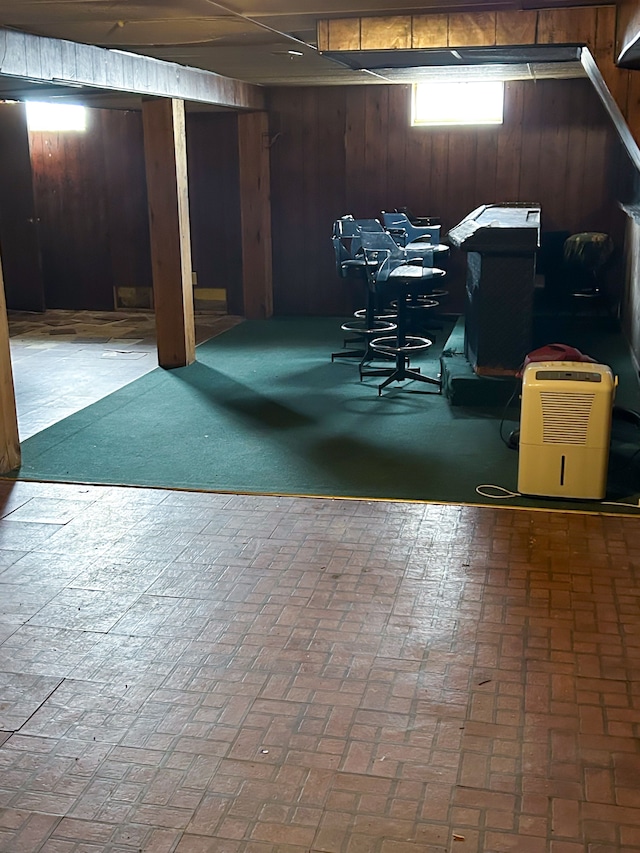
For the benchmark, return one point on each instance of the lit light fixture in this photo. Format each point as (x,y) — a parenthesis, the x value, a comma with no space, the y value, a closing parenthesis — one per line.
(295,53)
(456,103)
(45,116)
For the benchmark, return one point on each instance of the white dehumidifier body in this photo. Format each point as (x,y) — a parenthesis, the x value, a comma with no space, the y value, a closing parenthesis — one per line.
(565,429)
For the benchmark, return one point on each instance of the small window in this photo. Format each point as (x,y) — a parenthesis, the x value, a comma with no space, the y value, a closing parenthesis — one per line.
(455,103)
(55,117)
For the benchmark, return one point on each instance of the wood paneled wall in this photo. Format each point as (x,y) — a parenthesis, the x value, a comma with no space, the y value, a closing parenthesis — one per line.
(590,25)
(351,150)
(214,199)
(308,192)
(334,150)
(91,201)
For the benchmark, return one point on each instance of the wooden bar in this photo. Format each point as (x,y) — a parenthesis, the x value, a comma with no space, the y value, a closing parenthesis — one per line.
(63,62)
(9,441)
(166,171)
(255,214)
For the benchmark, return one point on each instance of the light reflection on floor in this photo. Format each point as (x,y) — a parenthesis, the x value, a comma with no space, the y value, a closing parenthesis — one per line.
(64,361)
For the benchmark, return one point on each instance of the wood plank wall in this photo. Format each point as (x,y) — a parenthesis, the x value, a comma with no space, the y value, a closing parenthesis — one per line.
(334,150)
(91,198)
(351,150)
(308,192)
(593,26)
(214,197)
(90,195)
(19,242)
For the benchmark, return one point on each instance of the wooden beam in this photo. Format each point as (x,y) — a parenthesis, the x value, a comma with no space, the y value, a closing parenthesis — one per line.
(463,29)
(430,31)
(166,169)
(69,63)
(345,31)
(9,441)
(564,26)
(614,110)
(385,33)
(516,27)
(472,29)
(593,26)
(255,214)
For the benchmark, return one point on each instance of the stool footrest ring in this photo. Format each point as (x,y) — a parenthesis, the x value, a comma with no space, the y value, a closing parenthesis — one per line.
(390,346)
(359,327)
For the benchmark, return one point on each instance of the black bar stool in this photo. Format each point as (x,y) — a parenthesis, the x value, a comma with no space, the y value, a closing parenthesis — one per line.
(399,281)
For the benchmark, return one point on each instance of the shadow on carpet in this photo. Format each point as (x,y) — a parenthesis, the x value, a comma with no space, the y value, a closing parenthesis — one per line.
(264,410)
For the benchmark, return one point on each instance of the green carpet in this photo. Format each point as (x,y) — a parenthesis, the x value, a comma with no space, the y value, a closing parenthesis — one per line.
(264,410)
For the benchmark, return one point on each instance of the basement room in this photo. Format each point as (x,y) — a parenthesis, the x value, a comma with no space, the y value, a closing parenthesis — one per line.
(319,427)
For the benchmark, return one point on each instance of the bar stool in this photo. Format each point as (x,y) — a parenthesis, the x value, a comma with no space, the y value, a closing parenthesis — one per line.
(350,263)
(398,280)
(585,258)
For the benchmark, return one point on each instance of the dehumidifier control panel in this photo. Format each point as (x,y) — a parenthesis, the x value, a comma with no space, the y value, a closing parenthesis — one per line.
(571,375)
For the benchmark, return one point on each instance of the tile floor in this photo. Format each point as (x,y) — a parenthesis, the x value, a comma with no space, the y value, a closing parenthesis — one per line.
(65,360)
(204,673)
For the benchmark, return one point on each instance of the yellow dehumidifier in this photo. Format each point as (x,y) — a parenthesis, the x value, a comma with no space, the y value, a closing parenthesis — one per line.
(565,429)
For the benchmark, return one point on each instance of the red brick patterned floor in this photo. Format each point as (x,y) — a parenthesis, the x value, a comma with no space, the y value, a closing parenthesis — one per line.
(198,673)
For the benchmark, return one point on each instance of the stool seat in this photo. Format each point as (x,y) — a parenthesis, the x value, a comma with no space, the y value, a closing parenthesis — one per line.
(585,255)
(403,282)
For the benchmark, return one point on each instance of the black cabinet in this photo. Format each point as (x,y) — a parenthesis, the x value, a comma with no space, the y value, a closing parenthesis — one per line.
(501,242)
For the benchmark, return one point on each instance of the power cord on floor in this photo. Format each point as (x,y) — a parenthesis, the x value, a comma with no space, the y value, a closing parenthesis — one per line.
(619,503)
(500,493)
(512,440)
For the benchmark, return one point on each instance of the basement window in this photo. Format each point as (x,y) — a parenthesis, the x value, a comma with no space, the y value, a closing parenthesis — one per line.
(55,117)
(456,103)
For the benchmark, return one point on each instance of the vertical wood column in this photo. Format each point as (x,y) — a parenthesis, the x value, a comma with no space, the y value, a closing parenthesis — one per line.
(9,441)
(255,215)
(165,153)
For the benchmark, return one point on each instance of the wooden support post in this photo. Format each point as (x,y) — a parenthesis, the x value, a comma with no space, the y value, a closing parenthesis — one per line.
(165,153)
(9,441)
(255,215)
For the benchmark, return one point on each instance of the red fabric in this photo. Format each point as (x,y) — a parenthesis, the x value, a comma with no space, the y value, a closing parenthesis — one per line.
(556,352)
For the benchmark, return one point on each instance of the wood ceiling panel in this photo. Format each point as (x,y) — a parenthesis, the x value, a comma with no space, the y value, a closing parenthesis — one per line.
(140,33)
(249,42)
(12,12)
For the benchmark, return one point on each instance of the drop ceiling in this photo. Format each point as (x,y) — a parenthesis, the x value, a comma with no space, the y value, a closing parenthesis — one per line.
(267,42)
